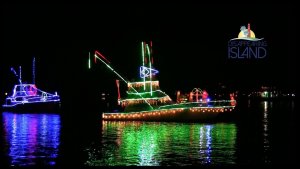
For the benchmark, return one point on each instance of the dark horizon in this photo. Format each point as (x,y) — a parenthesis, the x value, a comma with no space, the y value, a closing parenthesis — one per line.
(189,45)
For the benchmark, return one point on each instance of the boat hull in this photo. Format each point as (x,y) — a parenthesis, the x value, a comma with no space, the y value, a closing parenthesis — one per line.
(42,107)
(194,114)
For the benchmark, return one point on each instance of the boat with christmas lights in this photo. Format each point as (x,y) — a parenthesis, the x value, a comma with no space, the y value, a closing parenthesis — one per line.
(28,98)
(146,102)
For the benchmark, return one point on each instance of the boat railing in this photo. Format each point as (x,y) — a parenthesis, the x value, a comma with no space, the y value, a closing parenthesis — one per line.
(213,103)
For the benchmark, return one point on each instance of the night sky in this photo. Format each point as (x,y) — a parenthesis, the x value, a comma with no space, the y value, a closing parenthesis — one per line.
(189,46)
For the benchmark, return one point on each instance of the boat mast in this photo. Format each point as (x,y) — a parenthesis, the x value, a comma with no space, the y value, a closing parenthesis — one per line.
(20,77)
(33,70)
(143,59)
(150,68)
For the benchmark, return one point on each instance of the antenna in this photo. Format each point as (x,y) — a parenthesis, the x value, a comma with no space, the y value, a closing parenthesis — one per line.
(33,70)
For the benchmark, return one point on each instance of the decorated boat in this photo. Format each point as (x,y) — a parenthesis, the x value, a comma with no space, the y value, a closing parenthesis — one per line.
(26,97)
(147,102)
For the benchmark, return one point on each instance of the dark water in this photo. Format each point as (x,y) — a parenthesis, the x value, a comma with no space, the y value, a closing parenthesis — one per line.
(259,133)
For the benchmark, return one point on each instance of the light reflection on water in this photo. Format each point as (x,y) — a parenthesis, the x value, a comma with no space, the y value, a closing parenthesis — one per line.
(265,123)
(157,144)
(31,139)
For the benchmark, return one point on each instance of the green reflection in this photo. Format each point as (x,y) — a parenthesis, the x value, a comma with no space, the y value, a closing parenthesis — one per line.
(155,144)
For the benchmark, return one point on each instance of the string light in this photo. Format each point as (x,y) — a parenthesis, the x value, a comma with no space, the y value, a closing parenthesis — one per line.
(120,77)
(148,114)
(147,72)
(29,93)
(152,95)
(143,59)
